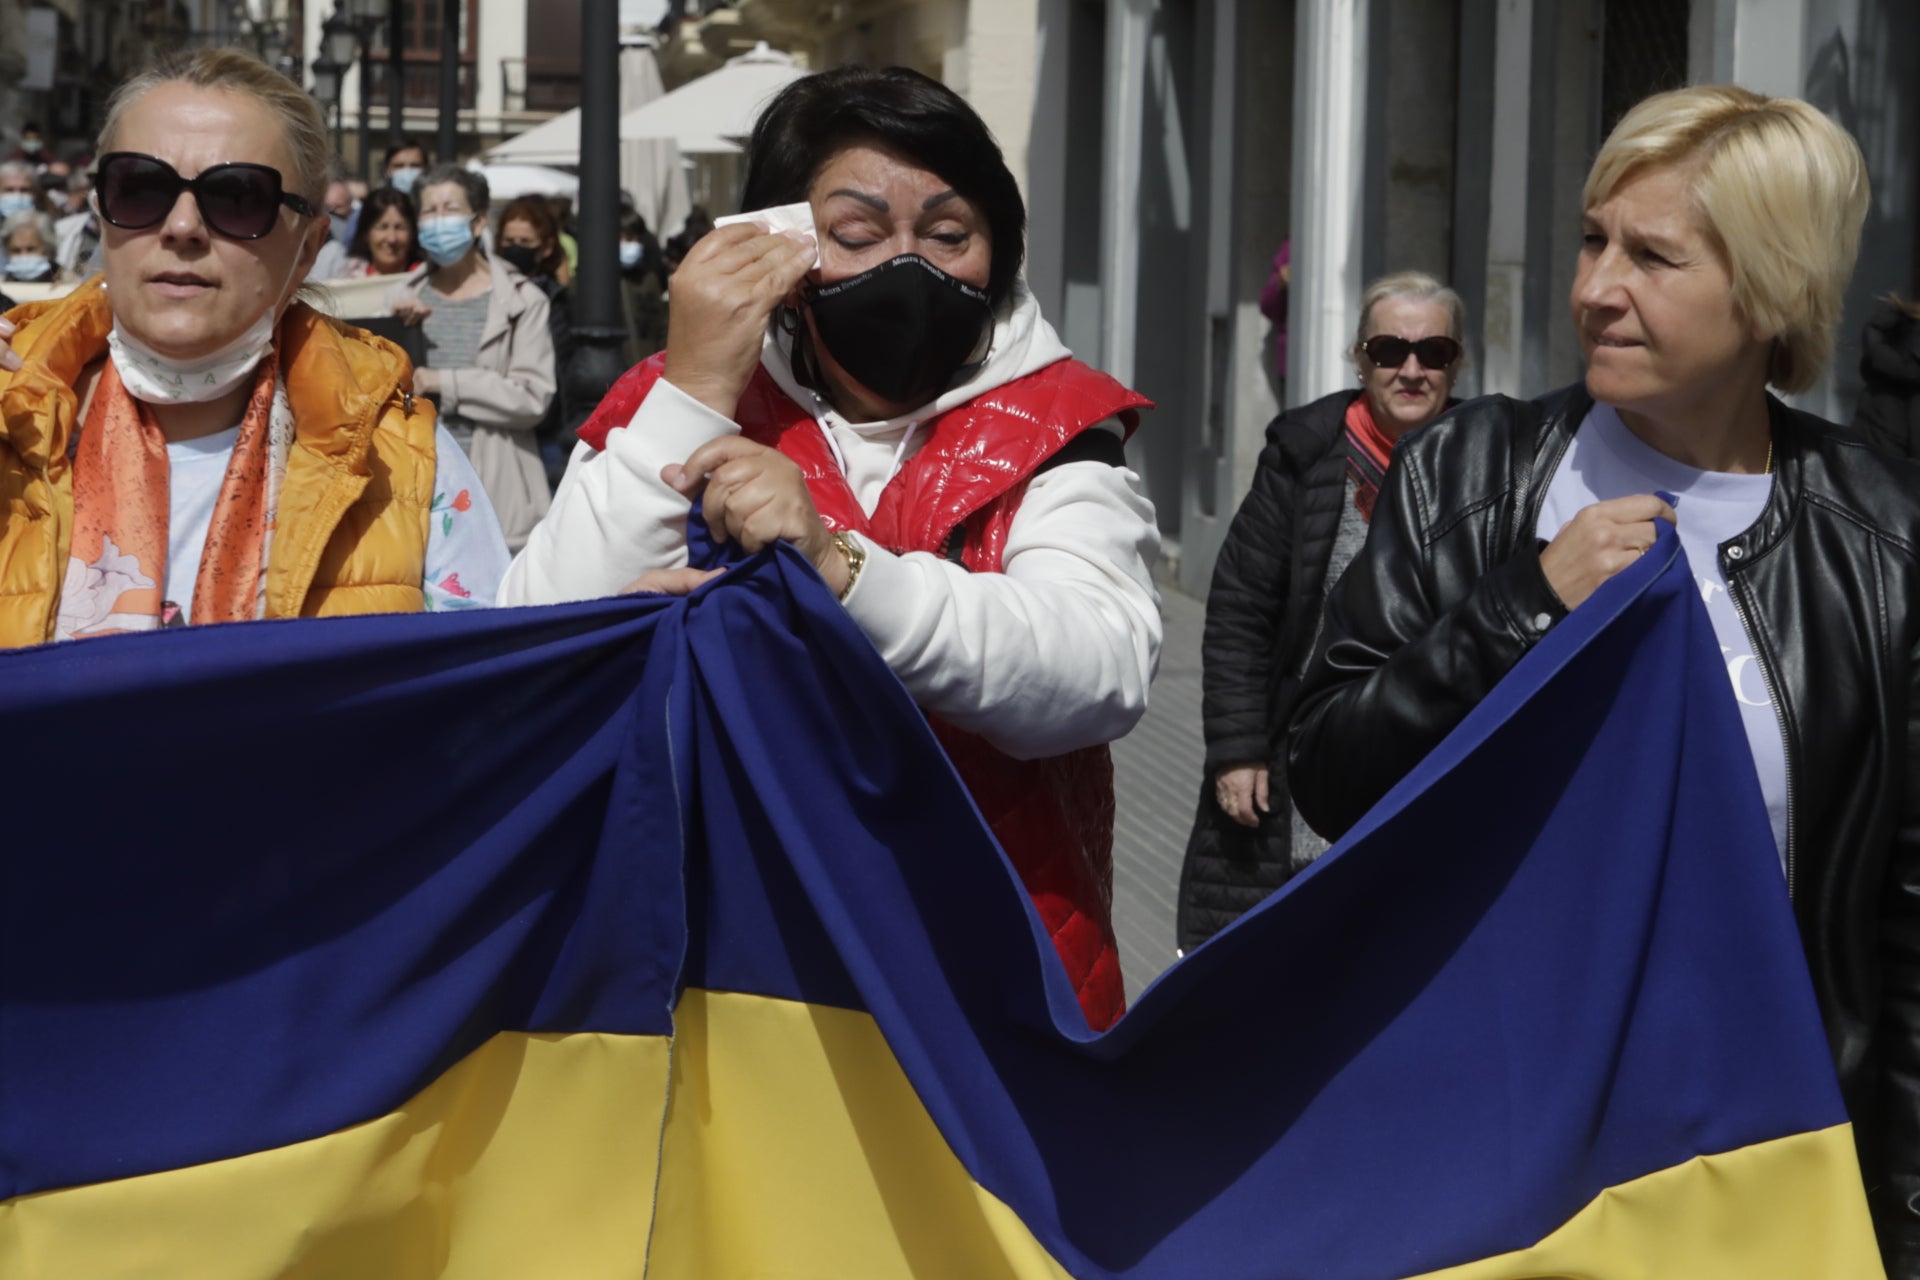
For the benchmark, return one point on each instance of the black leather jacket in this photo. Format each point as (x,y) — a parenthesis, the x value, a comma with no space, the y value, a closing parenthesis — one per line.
(1449,587)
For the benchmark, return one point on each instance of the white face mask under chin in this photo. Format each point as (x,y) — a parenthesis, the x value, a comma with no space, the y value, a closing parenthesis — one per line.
(155,378)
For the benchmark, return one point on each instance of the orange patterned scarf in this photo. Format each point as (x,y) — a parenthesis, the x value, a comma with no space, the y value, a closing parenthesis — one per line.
(117,565)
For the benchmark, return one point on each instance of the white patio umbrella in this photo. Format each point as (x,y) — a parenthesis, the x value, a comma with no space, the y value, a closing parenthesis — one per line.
(650,169)
(721,105)
(555,142)
(558,141)
(511,181)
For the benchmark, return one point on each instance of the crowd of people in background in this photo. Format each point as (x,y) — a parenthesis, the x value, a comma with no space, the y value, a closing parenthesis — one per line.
(47,231)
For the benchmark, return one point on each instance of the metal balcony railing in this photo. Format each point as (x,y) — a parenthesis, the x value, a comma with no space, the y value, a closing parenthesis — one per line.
(528,84)
(421,85)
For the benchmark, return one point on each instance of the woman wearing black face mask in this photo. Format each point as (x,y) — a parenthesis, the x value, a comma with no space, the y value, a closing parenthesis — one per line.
(529,239)
(892,404)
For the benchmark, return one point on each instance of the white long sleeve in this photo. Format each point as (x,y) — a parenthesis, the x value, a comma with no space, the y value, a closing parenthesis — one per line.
(1053,654)
(614,518)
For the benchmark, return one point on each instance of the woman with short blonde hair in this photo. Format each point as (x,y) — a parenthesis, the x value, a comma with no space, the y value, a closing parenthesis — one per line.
(1718,236)
(181,440)
(1781,192)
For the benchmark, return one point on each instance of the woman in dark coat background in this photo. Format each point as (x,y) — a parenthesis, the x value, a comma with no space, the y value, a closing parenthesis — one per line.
(1302,521)
(1889,409)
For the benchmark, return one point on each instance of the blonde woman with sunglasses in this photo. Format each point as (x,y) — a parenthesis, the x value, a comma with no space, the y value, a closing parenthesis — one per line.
(1302,521)
(181,440)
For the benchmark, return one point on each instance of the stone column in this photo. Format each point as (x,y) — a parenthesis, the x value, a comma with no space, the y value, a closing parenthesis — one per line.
(1329,195)
(1003,51)
(1129,23)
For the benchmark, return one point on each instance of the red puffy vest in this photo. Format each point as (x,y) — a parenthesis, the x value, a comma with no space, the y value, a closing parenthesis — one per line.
(1054,817)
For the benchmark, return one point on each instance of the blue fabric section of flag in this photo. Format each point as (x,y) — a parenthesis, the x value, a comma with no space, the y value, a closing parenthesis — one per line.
(273,878)
(1558,957)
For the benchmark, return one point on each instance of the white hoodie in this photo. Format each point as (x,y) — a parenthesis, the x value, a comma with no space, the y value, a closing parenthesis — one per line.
(1053,654)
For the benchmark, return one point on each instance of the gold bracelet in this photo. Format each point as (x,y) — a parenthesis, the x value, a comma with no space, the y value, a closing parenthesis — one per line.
(856,559)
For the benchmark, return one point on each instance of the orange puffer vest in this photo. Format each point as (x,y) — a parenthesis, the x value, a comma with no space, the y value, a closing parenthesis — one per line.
(351,536)
(957,497)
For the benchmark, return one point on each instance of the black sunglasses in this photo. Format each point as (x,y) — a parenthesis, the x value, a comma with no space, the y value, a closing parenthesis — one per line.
(1389,352)
(240,201)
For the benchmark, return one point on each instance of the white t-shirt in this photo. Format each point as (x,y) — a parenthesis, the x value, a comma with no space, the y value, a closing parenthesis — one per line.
(1606,461)
(466,552)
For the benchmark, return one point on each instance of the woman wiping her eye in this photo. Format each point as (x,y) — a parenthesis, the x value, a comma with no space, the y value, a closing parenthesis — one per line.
(889,401)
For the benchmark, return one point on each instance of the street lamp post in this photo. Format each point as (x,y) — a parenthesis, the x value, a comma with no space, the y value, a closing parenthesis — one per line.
(326,88)
(599,328)
(337,46)
(450,11)
(348,34)
(396,73)
(368,15)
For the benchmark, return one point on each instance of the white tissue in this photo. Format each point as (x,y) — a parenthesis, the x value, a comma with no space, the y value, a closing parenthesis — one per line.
(786,217)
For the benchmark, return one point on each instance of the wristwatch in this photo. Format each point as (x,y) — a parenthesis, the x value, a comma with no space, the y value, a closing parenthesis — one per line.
(856,559)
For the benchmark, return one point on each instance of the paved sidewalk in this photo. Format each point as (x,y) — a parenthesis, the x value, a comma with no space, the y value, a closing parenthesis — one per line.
(1157,781)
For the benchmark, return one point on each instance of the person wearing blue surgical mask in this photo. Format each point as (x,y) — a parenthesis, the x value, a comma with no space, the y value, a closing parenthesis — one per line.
(19,188)
(339,206)
(32,148)
(27,244)
(404,164)
(490,357)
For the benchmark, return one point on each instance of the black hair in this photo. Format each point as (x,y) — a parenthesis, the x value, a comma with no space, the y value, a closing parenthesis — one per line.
(407,142)
(652,261)
(372,209)
(819,115)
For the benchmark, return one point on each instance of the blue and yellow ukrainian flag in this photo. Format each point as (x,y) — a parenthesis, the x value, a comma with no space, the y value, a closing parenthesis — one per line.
(647,938)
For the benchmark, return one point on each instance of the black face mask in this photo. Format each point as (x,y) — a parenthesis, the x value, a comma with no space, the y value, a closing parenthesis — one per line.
(524,258)
(903,329)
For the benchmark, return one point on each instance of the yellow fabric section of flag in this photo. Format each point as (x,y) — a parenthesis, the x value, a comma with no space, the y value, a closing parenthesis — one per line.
(1789,1209)
(533,1156)
(796,1147)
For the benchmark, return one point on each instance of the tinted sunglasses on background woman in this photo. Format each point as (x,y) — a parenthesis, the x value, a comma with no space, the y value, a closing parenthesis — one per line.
(1388,352)
(240,201)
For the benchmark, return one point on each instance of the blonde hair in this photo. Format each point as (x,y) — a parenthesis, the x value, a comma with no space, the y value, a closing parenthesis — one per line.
(1781,191)
(1413,286)
(234,72)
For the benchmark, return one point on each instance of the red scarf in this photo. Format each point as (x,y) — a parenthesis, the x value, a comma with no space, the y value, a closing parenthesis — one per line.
(1368,453)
